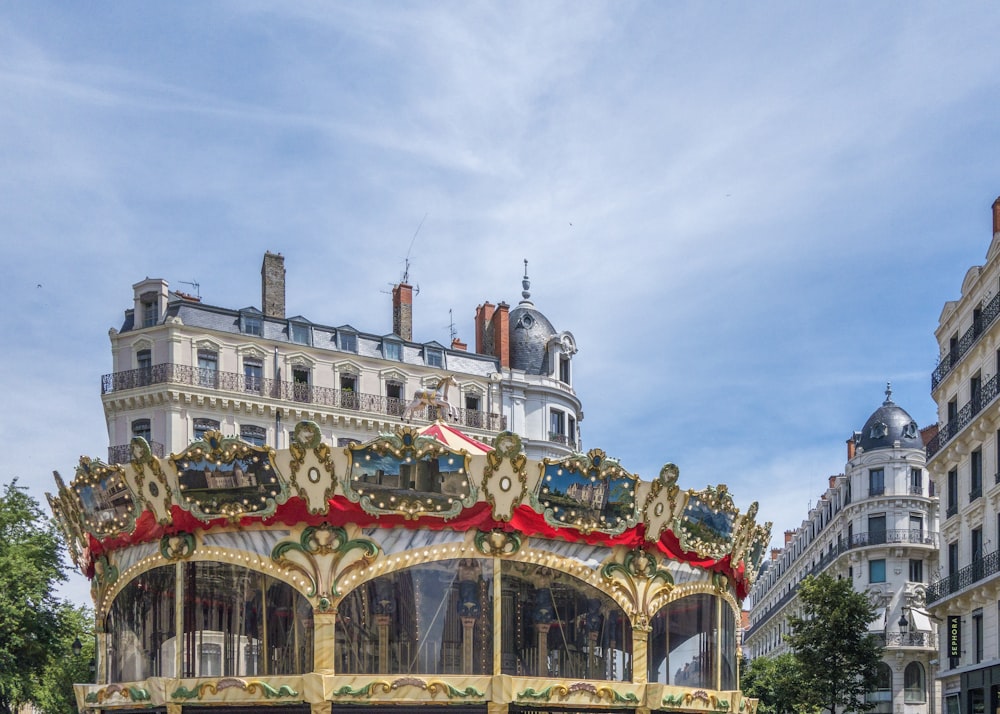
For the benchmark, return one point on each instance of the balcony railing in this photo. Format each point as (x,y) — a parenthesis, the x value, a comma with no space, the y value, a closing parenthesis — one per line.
(562,439)
(908,639)
(971,336)
(122,453)
(236,383)
(965,577)
(985,396)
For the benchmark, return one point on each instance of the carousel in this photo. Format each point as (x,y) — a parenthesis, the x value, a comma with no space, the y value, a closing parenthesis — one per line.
(424,571)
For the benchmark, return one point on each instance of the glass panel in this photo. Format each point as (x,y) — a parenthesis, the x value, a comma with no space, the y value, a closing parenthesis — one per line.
(557,626)
(140,625)
(682,643)
(435,618)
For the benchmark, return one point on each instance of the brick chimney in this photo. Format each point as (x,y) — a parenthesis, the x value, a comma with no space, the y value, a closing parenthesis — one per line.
(851,448)
(402,311)
(775,552)
(996,216)
(484,313)
(272,285)
(457,344)
(833,481)
(788,536)
(501,334)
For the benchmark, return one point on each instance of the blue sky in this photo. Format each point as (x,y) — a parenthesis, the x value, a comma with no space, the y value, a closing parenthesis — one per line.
(749,214)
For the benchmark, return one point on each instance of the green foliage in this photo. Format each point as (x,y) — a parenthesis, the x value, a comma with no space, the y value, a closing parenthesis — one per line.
(34,624)
(776,682)
(837,656)
(54,694)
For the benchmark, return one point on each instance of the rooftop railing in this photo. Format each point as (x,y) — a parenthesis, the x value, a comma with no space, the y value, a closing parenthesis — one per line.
(236,383)
(972,573)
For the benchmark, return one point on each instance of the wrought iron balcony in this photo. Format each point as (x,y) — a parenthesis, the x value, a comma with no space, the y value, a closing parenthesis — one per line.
(563,439)
(903,535)
(972,573)
(236,383)
(907,639)
(122,453)
(985,396)
(971,336)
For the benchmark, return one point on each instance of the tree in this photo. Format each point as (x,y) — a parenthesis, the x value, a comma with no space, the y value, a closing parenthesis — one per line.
(31,619)
(776,682)
(837,657)
(54,693)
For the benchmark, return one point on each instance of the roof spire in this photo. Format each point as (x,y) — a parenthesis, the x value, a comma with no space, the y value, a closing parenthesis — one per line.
(888,393)
(526,285)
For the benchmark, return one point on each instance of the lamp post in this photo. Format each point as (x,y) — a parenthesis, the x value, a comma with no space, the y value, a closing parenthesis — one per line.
(77,647)
(904,627)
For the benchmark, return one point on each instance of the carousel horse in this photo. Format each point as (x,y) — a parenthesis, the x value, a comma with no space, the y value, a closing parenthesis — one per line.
(437,397)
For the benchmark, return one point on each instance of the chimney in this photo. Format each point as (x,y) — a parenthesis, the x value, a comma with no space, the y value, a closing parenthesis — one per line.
(788,536)
(851,448)
(775,552)
(501,334)
(996,216)
(484,313)
(402,311)
(457,344)
(272,285)
(833,481)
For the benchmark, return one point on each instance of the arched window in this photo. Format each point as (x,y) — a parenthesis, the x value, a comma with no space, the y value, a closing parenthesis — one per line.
(881,695)
(913,684)
(684,644)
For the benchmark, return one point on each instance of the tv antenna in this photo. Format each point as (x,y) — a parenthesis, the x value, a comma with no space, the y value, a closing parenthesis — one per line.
(406,266)
(194,284)
(451,325)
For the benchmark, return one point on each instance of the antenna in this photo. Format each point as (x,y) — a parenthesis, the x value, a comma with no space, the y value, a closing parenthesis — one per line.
(406,268)
(451,325)
(195,284)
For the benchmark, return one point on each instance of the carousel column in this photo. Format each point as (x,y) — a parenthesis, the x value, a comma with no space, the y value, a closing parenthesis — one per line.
(468,610)
(640,648)
(385,608)
(324,637)
(543,614)
(592,624)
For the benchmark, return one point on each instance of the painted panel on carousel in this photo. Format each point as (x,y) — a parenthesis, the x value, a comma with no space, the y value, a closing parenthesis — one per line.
(311,469)
(227,477)
(151,483)
(409,475)
(505,476)
(707,523)
(107,505)
(588,492)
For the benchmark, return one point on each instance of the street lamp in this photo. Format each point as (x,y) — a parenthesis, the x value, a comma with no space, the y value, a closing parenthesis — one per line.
(904,626)
(77,647)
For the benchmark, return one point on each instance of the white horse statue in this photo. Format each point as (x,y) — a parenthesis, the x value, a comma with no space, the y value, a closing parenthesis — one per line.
(437,397)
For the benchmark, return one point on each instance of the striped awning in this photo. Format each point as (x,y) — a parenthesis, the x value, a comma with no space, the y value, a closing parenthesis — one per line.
(455,439)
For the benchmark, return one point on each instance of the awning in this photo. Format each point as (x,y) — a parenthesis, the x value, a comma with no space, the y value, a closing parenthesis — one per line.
(919,622)
(878,623)
(454,439)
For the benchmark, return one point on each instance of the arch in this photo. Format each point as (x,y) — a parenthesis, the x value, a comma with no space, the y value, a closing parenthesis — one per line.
(881,695)
(914,684)
(692,643)
(235,621)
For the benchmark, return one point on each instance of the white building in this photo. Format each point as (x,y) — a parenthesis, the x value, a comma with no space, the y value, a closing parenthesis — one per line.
(182,367)
(960,459)
(876,524)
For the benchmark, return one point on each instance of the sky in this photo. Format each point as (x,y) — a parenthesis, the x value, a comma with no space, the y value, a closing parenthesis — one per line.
(749,215)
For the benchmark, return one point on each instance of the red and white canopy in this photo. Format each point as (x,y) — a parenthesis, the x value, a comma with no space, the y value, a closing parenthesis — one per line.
(454,439)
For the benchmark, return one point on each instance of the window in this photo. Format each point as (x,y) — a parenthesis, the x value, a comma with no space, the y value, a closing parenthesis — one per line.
(975,393)
(348,341)
(847,491)
(953,558)
(204,425)
(881,695)
(571,431)
(433,357)
(150,314)
(300,384)
(141,427)
(876,529)
(473,414)
(913,684)
(876,571)
(977,552)
(349,391)
(876,482)
(253,434)
(952,411)
(916,481)
(208,368)
(557,424)
(952,493)
(916,570)
(394,398)
(253,375)
(300,333)
(916,528)
(564,372)
(144,363)
(392,350)
(977,634)
(975,475)
(252,325)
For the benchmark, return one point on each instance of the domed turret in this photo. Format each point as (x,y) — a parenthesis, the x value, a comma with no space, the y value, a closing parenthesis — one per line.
(530,333)
(887,425)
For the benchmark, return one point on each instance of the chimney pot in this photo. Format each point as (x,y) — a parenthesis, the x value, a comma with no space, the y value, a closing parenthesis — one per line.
(457,344)
(788,536)
(996,216)
(402,311)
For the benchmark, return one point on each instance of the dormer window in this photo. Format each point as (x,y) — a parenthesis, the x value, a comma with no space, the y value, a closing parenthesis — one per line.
(433,357)
(251,324)
(300,333)
(392,350)
(347,341)
(564,371)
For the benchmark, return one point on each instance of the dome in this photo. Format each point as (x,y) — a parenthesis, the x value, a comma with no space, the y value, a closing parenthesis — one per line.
(887,425)
(530,332)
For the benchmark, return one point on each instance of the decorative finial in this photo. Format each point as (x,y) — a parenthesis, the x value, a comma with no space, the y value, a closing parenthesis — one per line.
(526,283)
(888,392)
